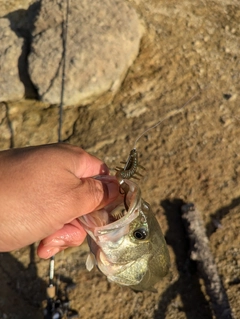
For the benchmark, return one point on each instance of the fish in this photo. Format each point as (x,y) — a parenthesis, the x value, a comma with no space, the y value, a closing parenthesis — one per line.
(126,241)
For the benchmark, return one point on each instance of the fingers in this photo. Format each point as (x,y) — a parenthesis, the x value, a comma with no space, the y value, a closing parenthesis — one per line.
(93,194)
(69,236)
(49,186)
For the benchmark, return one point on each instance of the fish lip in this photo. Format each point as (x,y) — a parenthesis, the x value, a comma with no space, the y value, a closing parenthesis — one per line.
(133,196)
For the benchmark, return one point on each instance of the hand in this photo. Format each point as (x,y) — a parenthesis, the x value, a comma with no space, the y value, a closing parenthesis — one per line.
(43,190)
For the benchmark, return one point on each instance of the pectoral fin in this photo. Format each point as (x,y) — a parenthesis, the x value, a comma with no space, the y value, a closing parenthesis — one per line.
(90,262)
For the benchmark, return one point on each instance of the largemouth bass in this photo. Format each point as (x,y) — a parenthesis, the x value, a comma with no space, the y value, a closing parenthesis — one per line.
(126,241)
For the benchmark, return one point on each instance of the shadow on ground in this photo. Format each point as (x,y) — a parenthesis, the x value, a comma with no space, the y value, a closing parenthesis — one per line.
(22,291)
(187,287)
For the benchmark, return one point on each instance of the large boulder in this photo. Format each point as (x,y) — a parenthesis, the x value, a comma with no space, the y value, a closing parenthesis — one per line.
(103,39)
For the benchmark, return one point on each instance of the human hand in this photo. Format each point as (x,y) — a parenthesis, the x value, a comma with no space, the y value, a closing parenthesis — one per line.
(43,189)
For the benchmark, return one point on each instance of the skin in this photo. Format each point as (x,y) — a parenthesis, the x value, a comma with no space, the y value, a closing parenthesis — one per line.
(43,190)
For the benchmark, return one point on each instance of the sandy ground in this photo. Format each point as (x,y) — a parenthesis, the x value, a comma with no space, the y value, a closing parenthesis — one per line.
(189,48)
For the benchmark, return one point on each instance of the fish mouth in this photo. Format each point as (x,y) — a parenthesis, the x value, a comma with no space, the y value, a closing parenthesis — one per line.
(115,216)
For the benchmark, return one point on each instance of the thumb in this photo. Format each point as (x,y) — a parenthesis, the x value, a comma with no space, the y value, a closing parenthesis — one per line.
(95,193)
(92,194)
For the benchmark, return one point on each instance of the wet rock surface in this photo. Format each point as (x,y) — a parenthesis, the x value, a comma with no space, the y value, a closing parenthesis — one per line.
(189,48)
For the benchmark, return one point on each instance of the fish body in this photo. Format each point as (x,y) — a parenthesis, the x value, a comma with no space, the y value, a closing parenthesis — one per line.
(126,241)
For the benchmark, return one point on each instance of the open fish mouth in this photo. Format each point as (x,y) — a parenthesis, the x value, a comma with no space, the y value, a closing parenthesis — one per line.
(116,216)
(126,241)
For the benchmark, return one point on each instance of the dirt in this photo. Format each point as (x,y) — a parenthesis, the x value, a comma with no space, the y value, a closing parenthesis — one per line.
(190,48)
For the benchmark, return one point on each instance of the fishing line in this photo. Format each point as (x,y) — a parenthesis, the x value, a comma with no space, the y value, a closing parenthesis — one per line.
(51,289)
(171,113)
(64,47)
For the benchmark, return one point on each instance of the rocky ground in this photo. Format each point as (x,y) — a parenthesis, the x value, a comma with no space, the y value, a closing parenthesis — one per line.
(188,48)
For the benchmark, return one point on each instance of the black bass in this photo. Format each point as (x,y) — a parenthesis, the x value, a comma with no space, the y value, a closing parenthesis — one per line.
(126,241)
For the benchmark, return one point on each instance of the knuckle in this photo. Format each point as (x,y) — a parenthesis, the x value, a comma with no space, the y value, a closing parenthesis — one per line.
(96,193)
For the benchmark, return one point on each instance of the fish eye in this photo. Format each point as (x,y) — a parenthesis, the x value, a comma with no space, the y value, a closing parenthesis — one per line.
(140,233)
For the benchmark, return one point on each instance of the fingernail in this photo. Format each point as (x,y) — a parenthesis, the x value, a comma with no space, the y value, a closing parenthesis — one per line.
(52,251)
(104,169)
(113,190)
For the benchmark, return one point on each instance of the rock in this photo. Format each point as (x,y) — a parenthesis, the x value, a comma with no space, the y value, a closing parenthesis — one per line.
(103,39)
(5,129)
(11,88)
